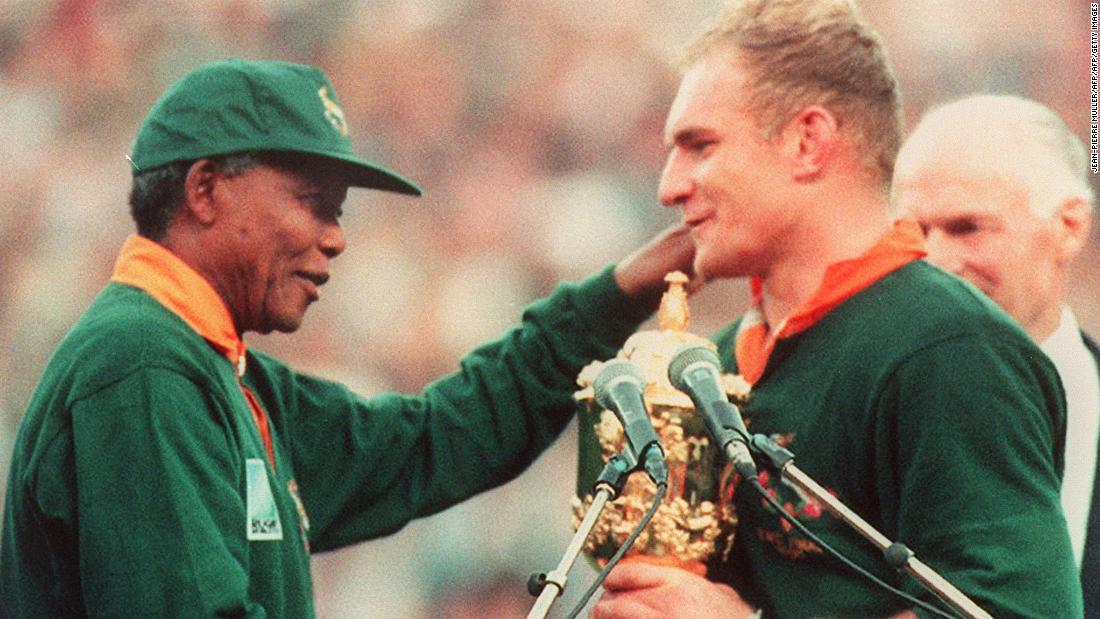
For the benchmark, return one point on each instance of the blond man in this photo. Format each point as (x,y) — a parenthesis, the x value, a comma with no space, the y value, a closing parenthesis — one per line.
(915,401)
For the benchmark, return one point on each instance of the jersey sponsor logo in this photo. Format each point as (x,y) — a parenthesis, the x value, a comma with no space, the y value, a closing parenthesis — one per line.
(262,522)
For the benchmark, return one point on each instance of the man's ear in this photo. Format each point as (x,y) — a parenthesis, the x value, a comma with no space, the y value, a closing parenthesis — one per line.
(1072,221)
(810,137)
(198,190)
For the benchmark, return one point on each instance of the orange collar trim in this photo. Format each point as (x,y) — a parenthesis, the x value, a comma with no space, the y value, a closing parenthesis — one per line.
(903,244)
(149,266)
(755,340)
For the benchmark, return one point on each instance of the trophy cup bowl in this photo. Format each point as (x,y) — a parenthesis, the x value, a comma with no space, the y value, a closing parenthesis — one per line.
(696,520)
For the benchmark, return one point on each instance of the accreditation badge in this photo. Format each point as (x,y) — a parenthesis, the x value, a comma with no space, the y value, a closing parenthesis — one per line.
(263,515)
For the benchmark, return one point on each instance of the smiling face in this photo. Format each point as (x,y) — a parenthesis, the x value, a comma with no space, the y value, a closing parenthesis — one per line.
(276,232)
(724,174)
(998,183)
(981,228)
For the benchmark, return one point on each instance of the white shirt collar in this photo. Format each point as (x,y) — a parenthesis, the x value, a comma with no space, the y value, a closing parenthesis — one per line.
(1077,369)
(1065,339)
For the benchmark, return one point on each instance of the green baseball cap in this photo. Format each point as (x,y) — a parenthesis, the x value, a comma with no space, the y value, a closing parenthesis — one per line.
(236,105)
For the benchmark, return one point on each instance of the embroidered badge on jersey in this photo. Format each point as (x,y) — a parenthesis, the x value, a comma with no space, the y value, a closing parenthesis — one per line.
(263,515)
(780,533)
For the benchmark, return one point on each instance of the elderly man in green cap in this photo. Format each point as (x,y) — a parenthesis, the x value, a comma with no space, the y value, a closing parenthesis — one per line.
(162,469)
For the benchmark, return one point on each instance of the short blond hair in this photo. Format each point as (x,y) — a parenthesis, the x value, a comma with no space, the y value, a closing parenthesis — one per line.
(806,52)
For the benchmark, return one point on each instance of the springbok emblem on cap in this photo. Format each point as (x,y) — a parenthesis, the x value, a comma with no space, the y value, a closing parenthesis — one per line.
(333,112)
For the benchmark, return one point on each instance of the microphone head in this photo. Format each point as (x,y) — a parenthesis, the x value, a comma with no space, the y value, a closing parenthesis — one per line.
(612,372)
(687,356)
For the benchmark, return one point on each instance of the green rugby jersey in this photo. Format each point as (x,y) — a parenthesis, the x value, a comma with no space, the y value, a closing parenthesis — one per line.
(930,413)
(141,486)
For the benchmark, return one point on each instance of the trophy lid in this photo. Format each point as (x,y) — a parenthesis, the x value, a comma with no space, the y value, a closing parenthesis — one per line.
(651,351)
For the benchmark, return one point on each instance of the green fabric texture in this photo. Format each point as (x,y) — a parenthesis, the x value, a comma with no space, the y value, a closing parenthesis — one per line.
(235,105)
(128,493)
(934,417)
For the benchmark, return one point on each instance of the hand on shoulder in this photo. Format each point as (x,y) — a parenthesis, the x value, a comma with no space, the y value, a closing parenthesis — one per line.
(642,274)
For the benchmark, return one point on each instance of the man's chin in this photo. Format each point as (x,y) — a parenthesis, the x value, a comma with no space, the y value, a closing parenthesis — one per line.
(289,327)
(709,269)
(282,324)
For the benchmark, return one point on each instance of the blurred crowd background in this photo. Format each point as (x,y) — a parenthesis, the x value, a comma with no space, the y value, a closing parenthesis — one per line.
(534,127)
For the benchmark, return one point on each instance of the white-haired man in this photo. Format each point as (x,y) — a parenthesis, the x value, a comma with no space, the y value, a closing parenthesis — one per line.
(999,185)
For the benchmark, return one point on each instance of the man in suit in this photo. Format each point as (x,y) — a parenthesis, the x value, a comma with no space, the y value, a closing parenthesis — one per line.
(999,186)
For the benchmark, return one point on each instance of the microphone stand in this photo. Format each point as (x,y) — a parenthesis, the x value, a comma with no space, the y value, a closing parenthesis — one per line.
(607,486)
(730,433)
(896,554)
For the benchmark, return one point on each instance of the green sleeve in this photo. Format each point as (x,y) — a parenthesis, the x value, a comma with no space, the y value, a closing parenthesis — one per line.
(160,510)
(969,445)
(367,466)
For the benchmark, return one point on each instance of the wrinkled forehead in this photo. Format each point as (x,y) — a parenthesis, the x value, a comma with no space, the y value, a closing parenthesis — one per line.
(969,156)
(939,190)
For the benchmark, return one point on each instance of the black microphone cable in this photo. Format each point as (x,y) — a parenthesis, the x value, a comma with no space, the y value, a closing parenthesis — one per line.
(662,487)
(695,370)
(620,388)
(836,554)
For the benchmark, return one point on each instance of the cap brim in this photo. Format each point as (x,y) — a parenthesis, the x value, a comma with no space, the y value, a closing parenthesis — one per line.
(360,173)
(373,176)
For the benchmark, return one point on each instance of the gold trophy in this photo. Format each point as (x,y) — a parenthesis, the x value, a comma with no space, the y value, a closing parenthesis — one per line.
(696,519)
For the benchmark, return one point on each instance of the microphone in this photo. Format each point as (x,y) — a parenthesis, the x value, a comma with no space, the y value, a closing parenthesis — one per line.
(694,369)
(619,388)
